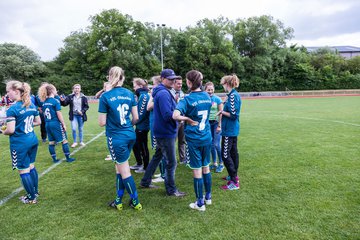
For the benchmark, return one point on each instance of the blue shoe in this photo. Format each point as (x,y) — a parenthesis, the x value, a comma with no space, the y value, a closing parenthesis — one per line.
(219,168)
(213,167)
(56,160)
(70,159)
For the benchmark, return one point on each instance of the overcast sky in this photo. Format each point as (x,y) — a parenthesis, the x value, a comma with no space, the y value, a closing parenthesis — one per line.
(42,25)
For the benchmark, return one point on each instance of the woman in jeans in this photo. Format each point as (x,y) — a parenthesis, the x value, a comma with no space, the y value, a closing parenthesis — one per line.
(77,112)
(215,126)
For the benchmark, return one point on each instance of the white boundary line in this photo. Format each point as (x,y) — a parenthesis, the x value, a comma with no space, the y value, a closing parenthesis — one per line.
(16,191)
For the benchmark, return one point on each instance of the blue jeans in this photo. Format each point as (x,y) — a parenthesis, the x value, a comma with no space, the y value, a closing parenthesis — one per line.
(165,148)
(77,123)
(215,145)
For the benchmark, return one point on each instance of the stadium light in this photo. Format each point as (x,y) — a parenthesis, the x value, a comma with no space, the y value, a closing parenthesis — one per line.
(161,44)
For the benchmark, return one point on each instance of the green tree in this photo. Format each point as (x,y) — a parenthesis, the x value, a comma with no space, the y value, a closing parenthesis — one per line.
(20,63)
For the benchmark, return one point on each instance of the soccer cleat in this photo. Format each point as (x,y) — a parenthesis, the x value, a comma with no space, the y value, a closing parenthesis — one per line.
(82,144)
(70,159)
(228,178)
(207,201)
(108,158)
(74,145)
(135,167)
(140,170)
(157,180)
(230,186)
(213,167)
(26,200)
(157,175)
(56,160)
(219,168)
(137,207)
(196,207)
(116,206)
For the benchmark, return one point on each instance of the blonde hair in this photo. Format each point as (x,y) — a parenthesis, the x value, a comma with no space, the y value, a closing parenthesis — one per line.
(24,89)
(141,82)
(45,90)
(231,80)
(156,80)
(116,76)
(209,84)
(76,85)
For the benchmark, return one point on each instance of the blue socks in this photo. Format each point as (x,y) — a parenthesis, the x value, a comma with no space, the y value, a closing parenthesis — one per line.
(52,152)
(131,189)
(28,185)
(207,184)
(198,187)
(35,179)
(120,187)
(66,150)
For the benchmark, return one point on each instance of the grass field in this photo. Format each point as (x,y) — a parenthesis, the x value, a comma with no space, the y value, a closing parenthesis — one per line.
(299,170)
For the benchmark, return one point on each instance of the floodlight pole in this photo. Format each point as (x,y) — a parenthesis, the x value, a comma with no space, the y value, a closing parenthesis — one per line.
(161,44)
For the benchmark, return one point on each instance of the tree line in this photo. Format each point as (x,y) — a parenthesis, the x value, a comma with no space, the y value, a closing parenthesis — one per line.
(254,48)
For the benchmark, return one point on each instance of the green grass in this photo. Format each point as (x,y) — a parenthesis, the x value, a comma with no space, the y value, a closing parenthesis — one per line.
(299,170)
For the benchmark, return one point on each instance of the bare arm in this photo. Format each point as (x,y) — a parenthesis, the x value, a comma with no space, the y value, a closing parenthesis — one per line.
(135,116)
(177,116)
(61,119)
(10,128)
(102,119)
(37,121)
(220,108)
(150,105)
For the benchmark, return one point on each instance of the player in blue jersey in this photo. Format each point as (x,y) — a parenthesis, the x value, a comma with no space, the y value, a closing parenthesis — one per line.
(54,121)
(230,127)
(141,150)
(194,109)
(115,108)
(215,125)
(22,116)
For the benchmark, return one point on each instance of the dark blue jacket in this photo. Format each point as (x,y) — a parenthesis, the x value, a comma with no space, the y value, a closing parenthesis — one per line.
(164,105)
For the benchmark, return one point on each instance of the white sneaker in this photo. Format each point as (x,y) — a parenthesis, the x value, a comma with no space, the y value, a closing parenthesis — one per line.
(207,202)
(140,170)
(196,207)
(135,167)
(82,144)
(108,158)
(73,145)
(157,180)
(157,175)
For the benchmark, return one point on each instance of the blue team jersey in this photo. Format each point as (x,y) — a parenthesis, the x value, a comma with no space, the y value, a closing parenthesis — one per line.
(197,107)
(24,123)
(117,104)
(230,126)
(49,108)
(143,123)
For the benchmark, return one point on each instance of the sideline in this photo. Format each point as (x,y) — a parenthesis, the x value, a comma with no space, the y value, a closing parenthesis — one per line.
(16,191)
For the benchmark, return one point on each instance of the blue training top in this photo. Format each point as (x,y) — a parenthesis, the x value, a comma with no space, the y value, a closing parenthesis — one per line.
(143,123)
(24,123)
(117,104)
(230,126)
(50,107)
(196,106)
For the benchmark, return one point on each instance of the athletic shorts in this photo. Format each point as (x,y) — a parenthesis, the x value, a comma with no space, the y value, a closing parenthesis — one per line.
(55,132)
(120,149)
(22,155)
(198,156)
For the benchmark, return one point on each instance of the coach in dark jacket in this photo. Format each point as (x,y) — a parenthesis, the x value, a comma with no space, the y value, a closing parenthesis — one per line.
(77,112)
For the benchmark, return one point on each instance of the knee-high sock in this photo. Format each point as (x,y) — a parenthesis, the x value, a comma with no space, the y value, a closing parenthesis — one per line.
(120,187)
(52,151)
(131,189)
(66,150)
(28,184)
(198,187)
(207,183)
(35,178)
